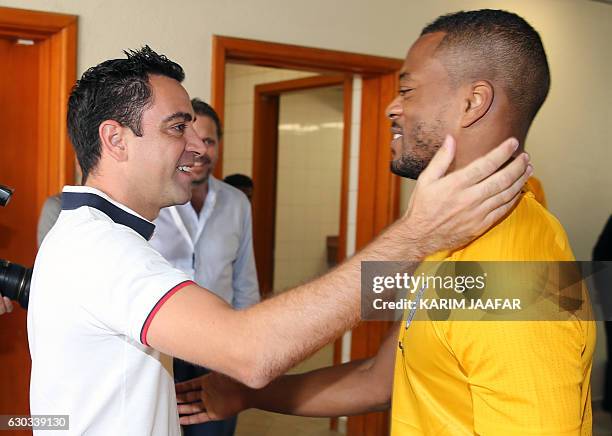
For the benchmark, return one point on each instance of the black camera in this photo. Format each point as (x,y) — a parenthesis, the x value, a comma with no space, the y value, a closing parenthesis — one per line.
(15,282)
(14,279)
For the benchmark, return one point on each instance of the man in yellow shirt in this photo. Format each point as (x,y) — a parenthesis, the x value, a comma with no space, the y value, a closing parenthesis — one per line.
(480,76)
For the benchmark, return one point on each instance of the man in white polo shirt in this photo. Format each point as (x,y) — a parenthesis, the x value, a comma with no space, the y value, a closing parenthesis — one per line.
(106,308)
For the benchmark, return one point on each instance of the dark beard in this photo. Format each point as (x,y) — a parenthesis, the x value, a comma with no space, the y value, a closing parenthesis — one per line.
(408,167)
(426,144)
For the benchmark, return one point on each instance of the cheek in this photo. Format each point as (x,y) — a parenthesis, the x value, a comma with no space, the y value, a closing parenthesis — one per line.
(213,153)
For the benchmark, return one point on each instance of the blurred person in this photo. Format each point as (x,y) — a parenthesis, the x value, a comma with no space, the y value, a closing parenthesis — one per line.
(242,182)
(210,239)
(603,252)
(48,216)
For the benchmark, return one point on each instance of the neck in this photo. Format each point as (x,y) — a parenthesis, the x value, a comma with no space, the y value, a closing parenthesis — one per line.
(475,144)
(121,196)
(198,195)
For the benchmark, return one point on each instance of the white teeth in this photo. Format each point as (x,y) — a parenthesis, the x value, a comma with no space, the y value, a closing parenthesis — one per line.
(397,135)
(184,168)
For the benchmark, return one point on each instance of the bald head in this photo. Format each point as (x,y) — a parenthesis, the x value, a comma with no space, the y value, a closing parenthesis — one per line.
(499,47)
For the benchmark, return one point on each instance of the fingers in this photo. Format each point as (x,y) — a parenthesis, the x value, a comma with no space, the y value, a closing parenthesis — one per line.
(191,408)
(186,386)
(483,167)
(504,198)
(506,179)
(440,162)
(188,397)
(6,305)
(194,419)
(498,213)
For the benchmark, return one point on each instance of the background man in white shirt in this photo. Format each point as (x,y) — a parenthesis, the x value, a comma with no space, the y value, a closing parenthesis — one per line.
(210,238)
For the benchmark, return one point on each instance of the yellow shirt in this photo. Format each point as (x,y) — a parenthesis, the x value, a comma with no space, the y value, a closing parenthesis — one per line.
(497,377)
(535,186)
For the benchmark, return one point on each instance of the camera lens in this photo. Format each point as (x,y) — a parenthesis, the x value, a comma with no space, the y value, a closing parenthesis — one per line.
(15,282)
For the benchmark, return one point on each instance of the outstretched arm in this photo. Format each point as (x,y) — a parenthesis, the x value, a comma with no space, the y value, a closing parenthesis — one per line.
(352,388)
(260,343)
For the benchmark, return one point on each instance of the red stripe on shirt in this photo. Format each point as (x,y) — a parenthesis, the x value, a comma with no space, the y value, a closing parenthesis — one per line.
(160,303)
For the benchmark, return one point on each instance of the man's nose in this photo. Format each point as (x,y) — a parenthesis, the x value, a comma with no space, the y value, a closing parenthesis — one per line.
(195,144)
(394,109)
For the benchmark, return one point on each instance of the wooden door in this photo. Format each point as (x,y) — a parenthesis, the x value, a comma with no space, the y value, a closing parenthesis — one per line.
(37,70)
(18,169)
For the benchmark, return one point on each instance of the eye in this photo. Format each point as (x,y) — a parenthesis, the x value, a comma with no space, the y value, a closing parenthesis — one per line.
(209,141)
(405,91)
(179,127)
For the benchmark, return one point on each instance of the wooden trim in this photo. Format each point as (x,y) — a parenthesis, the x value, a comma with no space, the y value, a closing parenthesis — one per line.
(217,96)
(300,84)
(265,165)
(378,206)
(304,58)
(22,20)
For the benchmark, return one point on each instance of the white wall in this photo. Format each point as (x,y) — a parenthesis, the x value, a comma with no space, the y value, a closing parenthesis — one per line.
(240,82)
(308,184)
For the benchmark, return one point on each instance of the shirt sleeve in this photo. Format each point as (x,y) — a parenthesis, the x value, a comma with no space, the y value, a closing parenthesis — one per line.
(244,275)
(137,281)
(525,377)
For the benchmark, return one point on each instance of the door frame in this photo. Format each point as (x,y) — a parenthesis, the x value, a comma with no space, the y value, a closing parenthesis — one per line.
(56,35)
(265,166)
(378,194)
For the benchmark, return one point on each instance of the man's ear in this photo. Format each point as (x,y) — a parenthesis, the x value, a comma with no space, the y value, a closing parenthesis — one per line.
(478,102)
(113,140)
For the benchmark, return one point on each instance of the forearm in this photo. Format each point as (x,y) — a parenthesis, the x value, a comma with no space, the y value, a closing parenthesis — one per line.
(284,330)
(347,389)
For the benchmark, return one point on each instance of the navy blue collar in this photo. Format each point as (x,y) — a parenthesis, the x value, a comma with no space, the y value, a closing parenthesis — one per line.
(74,200)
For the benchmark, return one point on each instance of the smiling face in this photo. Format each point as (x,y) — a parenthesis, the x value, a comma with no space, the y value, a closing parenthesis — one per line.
(204,165)
(424,111)
(160,161)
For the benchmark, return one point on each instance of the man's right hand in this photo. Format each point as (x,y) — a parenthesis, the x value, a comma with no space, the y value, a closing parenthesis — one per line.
(6,305)
(448,211)
(210,397)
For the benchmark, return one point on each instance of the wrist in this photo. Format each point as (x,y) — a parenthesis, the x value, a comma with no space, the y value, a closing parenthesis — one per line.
(415,237)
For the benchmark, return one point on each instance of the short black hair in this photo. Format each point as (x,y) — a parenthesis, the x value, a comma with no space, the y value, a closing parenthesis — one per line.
(239,181)
(116,89)
(499,46)
(202,108)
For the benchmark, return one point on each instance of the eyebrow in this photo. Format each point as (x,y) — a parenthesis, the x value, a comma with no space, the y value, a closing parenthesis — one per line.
(178,115)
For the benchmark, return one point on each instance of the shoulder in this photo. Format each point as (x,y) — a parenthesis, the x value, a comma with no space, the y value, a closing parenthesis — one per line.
(233,196)
(529,232)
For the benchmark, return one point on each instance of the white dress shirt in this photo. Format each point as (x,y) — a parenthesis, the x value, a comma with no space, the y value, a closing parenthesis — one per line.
(215,248)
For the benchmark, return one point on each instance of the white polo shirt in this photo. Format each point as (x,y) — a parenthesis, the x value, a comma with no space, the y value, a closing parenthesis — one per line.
(96,286)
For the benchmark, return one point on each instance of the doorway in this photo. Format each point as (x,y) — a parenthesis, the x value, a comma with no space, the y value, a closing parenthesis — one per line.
(38,69)
(370,193)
